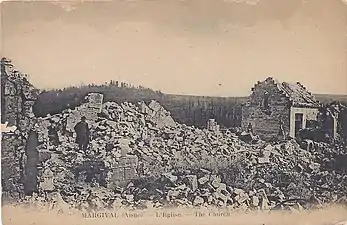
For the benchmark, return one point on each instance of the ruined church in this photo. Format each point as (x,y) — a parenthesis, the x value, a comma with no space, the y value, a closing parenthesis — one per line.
(279,109)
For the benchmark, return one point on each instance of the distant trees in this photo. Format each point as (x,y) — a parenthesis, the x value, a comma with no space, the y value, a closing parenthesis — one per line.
(114,83)
(196,110)
(56,100)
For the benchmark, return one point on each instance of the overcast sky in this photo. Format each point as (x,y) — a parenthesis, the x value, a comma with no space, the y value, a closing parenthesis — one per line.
(200,47)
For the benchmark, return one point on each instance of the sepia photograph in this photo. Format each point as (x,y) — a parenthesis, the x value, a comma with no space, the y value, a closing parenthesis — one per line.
(174,112)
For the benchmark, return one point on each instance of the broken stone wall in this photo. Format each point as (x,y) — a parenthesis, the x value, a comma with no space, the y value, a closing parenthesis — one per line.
(266,120)
(12,164)
(309,114)
(212,125)
(334,123)
(17,98)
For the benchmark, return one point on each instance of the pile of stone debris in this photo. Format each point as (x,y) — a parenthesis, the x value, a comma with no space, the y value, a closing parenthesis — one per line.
(140,157)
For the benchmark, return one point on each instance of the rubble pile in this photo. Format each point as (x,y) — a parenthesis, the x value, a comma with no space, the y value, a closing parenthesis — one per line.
(140,157)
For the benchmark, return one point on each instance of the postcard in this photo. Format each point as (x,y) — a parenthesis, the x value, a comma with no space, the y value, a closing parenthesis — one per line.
(174,112)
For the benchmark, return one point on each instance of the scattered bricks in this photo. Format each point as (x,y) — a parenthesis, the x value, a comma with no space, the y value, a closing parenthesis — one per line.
(198,201)
(203,180)
(262,160)
(130,173)
(226,195)
(215,181)
(124,145)
(117,203)
(221,198)
(241,198)
(255,201)
(170,177)
(140,144)
(192,181)
(266,153)
(205,171)
(314,167)
(291,186)
(44,156)
(47,183)
(129,198)
(269,148)
(246,137)
(173,193)
(238,191)
(264,202)
(298,207)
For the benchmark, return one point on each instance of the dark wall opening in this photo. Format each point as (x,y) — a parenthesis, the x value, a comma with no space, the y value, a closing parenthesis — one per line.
(31,171)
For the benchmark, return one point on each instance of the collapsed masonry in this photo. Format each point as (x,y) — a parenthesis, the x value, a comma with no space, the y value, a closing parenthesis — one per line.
(279,110)
(111,161)
(335,123)
(140,157)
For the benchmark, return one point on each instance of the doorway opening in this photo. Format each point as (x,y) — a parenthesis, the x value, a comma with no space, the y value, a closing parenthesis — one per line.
(298,123)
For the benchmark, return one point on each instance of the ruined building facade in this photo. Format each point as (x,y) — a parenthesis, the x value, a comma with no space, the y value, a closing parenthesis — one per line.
(17,98)
(335,120)
(279,109)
